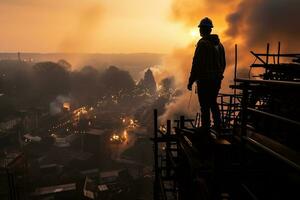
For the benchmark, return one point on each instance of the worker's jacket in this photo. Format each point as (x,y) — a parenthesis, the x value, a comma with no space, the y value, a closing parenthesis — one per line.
(209,59)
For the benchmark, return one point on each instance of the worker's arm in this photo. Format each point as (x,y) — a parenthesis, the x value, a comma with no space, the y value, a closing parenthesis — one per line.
(223,59)
(195,65)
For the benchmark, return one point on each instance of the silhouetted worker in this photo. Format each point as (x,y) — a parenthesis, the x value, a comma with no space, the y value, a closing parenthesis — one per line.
(207,70)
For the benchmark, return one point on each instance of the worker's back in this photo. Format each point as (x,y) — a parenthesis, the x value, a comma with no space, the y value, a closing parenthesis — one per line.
(210,58)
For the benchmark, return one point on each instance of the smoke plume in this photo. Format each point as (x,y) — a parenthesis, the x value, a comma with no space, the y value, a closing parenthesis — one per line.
(262,21)
(56,106)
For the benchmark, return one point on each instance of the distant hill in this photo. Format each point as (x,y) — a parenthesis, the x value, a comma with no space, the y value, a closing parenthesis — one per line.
(134,63)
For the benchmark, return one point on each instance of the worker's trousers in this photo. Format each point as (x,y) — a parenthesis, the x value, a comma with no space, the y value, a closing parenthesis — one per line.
(208,91)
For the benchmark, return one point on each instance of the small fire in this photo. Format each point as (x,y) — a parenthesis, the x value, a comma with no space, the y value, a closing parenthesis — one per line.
(125,135)
(80,111)
(67,106)
(163,128)
(119,138)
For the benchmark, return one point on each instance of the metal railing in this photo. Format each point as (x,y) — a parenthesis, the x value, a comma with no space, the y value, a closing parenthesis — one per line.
(265,143)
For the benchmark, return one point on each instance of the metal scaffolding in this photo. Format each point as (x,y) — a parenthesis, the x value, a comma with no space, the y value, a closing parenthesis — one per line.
(257,154)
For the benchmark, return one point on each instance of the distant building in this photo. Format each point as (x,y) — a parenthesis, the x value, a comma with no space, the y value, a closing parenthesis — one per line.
(106,184)
(66,191)
(10,123)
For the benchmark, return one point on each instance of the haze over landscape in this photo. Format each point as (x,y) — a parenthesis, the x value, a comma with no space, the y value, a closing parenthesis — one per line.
(90,26)
(79,80)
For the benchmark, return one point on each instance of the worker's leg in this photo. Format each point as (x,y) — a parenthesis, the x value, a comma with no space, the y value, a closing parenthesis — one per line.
(215,87)
(204,100)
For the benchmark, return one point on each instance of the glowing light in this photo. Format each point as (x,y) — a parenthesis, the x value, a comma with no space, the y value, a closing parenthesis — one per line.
(119,138)
(194,33)
(125,135)
(115,137)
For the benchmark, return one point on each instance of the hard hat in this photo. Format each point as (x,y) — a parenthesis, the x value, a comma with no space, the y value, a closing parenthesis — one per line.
(206,22)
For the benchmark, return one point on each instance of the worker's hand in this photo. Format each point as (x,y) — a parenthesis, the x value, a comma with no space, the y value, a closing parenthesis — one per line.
(190,86)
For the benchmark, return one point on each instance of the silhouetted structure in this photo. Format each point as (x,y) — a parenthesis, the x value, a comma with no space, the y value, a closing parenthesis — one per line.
(13,170)
(148,82)
(257,154)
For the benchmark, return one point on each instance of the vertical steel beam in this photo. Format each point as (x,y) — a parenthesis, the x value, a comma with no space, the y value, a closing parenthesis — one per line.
(168,148)
(244,116)
(156,169)
(278,53)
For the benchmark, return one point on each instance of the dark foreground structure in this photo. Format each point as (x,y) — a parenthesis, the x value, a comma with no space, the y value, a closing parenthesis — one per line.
(257,154)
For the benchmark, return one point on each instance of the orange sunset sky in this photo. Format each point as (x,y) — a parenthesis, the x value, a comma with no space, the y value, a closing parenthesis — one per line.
(95,26)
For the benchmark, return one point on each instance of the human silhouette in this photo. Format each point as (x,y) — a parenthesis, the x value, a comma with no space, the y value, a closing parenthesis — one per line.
(207,71)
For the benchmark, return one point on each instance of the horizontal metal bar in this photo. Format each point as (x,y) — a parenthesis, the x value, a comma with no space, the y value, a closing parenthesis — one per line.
(229,95)
(292,55)
(269,82)
(258,65)
(274,153)
(284,119)
(282,67)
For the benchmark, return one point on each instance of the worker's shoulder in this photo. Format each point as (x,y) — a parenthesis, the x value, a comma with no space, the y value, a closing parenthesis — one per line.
(203,42)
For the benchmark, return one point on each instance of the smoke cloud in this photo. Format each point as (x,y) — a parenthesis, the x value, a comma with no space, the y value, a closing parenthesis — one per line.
(178,64)
(262,21)
(56,106)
